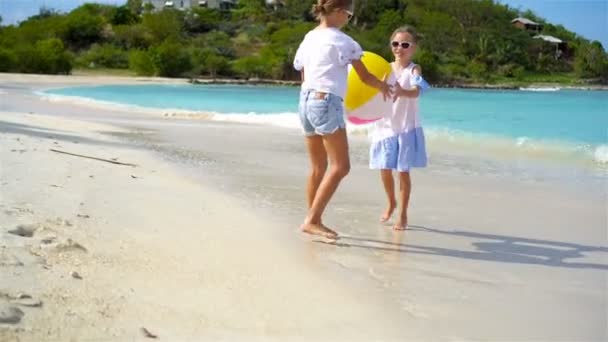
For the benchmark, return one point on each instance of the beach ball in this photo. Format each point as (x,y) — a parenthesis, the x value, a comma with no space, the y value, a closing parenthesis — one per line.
(365,104)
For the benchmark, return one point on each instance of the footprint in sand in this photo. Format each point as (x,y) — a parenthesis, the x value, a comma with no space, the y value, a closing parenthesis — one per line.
(17,211)
(24,230)
(22,299)
(70,245)
(28,302)
(60,222)
(10,314)
(45,234)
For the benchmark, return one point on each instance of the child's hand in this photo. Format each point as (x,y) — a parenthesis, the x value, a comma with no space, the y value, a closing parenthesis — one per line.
(386,90)
(412,92)
(398,92)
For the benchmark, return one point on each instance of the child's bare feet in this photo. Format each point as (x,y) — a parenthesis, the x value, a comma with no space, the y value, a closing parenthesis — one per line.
(319,229)
(388,212)
(401,224)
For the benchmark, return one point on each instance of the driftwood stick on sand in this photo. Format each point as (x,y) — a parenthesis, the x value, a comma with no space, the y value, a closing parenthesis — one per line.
(94,158)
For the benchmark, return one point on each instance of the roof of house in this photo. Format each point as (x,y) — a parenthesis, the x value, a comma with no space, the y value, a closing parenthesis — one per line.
(524,21)
(550,39)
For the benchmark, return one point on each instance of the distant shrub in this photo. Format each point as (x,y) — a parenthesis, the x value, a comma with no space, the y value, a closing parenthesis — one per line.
(106,55)
(171,59)
(46,57)
(8,60)
(429,64)
(478,70)
(141,63)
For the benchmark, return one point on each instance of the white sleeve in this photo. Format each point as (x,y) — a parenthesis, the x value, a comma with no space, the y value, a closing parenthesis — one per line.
(298,61)
(349,50)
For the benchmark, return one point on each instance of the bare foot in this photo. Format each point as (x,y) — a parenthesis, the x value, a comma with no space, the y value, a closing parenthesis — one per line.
(388,212)
(401,224)
(319,229)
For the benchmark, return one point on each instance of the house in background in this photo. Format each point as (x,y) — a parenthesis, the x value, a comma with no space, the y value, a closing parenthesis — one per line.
(188,4)
(527,24)
(561,47)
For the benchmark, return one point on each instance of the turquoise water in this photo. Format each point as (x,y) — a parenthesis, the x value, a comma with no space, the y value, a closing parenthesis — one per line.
(576,121)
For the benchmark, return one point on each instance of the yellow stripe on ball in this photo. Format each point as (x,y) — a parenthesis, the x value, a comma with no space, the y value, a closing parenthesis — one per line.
(359,93)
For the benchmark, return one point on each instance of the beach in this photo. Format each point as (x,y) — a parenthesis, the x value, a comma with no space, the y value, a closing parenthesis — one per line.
(200,239)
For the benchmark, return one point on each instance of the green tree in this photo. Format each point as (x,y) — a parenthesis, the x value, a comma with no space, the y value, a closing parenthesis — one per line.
(45,57)
(132,36)
(8,60)
(592,61)
(135,6)
(141,63)
(283,45)
(171,59)
(253,66)
(83,27)
(202,20)
(429,63)
(164,25)
(299,9)
(122,15)
(368,12)
(478,70)
(106,55)
(208,61)
(252,10)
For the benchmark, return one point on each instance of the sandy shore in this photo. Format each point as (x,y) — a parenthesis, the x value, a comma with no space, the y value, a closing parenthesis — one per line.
(104,249)
(198,242)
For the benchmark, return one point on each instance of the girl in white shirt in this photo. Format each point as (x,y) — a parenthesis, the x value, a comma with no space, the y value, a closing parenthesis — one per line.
(322,59)
(397,139)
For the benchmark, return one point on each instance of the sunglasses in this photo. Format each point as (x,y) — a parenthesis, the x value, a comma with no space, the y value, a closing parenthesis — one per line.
(404,45)
(350,14)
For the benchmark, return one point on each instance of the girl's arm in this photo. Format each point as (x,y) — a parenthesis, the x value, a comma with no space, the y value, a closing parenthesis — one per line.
(414,91)
(371,80)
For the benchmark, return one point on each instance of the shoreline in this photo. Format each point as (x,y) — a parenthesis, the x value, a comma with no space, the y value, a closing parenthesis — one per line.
(256,81)
(511,147)
(271,82)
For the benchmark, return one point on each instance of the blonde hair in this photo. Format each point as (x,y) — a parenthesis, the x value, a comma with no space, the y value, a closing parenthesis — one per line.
(325,7)
(407,29)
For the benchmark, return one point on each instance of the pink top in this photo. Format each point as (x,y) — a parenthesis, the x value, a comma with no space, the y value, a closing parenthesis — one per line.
(405,110)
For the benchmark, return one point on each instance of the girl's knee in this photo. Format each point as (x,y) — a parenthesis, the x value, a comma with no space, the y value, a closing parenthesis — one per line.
(341,170)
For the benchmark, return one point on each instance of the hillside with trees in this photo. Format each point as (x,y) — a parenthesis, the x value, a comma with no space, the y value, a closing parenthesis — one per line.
(464,41)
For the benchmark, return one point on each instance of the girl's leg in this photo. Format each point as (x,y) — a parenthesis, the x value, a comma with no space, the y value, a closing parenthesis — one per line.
(318,166)
(389,188)
(404,200)
(336,145)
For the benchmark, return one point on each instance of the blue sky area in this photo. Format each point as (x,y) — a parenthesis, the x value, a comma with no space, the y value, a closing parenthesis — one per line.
(588,18)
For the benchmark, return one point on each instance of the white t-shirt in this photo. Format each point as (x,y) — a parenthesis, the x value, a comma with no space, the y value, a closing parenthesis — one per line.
(324,54)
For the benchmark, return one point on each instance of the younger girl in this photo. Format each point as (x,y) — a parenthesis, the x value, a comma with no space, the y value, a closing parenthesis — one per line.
(323,58)
(397,139)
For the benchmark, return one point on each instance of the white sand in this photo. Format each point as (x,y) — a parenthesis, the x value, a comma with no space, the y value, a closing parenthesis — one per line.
(213,253)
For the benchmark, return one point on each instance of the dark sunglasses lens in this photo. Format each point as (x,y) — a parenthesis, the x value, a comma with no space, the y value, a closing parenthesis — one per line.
(395,44)
(405,45)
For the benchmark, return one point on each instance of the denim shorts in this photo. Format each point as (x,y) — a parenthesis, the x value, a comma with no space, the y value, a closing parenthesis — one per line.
(321,116)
